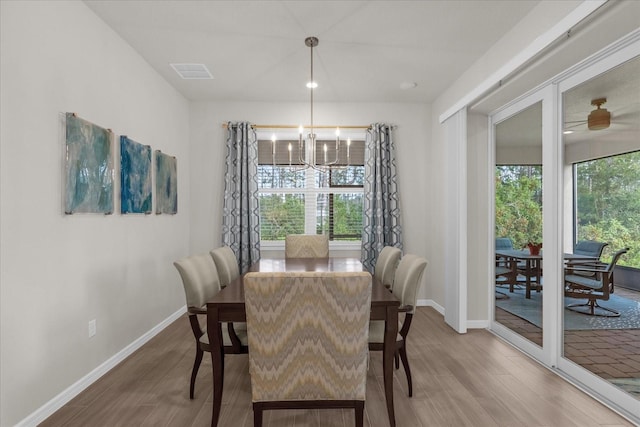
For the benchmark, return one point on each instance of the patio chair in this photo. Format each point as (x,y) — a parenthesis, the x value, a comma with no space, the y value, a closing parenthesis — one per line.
(308,340)
(594,288)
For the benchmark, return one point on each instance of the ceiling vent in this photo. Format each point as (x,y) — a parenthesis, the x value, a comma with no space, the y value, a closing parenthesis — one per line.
(192,71)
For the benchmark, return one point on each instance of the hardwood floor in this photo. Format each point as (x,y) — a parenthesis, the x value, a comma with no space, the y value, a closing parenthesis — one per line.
(473,379)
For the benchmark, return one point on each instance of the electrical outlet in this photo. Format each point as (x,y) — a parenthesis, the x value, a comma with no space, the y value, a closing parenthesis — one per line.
(92,327)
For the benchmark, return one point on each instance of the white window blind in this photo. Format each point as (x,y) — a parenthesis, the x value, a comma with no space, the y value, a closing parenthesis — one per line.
(306,201)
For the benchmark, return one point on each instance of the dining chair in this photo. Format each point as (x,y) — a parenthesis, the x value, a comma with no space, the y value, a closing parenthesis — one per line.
(227,265)
(306,246)
(407,282)
(308,340)
(200,281)
(594,288)
(386,264)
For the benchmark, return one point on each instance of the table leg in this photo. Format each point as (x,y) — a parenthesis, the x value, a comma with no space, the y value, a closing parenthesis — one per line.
(217,362)
(390,334)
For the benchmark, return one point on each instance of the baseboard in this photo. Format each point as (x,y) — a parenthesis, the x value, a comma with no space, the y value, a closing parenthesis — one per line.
(477,324)
(73,390)
(431,303)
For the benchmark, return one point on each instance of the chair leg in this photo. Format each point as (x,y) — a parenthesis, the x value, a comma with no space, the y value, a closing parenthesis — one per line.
(405,363)
(396,359)
(194,371)
(257,415)
(591,306)
(359,409)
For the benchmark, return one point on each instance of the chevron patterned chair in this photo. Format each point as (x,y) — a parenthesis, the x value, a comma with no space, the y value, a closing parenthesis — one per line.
(306,246)
(308,334)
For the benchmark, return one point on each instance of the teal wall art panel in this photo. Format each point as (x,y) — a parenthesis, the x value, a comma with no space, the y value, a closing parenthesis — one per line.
(166,184)
(88,167)
(135,176)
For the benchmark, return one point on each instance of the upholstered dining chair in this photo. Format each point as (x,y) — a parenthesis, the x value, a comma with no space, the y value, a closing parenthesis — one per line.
(594,288)
(386,264)
(227,265)
(407,282)
(308,340)
(200,281)
(306,246)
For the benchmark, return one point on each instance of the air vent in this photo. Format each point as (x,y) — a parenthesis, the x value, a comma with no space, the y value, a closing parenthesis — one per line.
(192,71)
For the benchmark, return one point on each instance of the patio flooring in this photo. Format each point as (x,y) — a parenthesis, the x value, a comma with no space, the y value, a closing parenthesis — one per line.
(612,354)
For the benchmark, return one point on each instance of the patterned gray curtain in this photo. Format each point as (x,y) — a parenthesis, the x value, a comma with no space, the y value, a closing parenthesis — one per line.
(241,215)
(381,210)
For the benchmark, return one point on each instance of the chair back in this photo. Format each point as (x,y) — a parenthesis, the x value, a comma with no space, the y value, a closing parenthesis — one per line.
(306,246)
(199,278)
(408,279)
(227,265)
(614,261)
(504,244)
(308,334)
(589,248)
(386,264)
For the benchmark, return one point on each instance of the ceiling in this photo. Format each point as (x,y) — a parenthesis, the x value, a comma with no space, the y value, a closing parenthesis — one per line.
(368,50)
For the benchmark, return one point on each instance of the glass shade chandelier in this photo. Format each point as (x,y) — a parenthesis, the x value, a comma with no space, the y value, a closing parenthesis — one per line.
(307,151)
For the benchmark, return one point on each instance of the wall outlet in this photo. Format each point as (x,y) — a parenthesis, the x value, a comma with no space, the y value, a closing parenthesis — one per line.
(92,327)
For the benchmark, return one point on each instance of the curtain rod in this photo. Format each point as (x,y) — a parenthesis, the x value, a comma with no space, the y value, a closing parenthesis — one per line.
(224,126)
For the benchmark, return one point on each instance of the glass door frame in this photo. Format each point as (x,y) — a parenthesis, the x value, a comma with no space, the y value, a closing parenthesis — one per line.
(545,95)
(618,53)
(551,352)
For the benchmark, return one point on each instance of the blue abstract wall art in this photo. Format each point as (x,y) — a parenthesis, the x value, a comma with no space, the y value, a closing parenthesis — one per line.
(166,184)
(135,175)
(88,167)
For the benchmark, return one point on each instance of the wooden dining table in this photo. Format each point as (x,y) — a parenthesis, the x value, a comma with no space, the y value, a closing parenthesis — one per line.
(228,306)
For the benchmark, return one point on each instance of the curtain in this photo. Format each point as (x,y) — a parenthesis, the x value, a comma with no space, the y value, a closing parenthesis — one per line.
(241,215)
(381,210)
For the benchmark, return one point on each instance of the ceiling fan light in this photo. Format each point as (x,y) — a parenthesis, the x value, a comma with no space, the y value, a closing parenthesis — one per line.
(599,119)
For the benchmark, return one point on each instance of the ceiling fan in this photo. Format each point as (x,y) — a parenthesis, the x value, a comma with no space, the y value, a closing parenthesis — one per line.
(598,119)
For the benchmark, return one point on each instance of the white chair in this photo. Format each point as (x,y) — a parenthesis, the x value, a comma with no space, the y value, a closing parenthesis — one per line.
(386,264)
(306,246)
(227,265)
(200,281)
(406,284)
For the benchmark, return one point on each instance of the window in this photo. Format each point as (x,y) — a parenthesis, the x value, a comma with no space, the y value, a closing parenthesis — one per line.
(305,201)
(607,200)
(519,203)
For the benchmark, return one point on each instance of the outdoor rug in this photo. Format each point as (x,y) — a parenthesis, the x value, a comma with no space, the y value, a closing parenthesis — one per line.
(531,311)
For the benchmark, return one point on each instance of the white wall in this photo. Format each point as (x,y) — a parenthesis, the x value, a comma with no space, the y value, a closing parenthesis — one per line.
(208,152)
(58,272)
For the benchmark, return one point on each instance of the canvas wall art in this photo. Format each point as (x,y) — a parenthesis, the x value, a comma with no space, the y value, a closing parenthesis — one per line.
(166,183)
(135,175)
(88,167)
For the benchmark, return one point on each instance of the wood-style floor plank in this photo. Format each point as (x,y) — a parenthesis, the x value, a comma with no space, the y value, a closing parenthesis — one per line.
(474,379)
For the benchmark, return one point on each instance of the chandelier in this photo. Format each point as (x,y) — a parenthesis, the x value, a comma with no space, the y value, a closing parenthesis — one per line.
(308,156)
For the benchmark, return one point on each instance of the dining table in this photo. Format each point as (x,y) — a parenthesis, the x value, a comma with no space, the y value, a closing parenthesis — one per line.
(228,306)
(530,266)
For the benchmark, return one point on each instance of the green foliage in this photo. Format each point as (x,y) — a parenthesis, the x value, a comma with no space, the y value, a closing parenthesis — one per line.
(281,214)
(608,197)
(519,204)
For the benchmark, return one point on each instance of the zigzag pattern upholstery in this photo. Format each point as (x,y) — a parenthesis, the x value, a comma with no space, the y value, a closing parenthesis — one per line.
(308,334)
(306,246)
